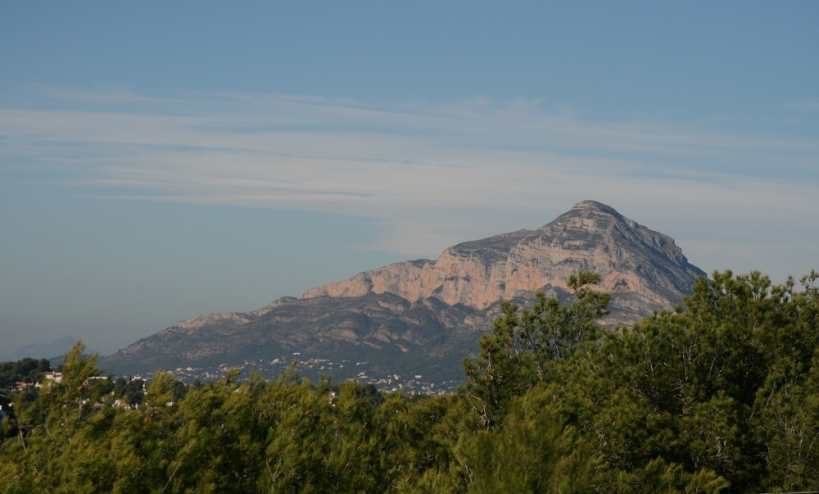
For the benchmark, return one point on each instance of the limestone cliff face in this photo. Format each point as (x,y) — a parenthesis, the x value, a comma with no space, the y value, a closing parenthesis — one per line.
(645,267)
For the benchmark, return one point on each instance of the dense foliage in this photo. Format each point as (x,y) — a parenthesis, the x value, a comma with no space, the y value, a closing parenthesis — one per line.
(721,395)
(28,371)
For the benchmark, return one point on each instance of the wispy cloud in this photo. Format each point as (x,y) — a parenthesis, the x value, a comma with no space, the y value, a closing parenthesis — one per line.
(431,174)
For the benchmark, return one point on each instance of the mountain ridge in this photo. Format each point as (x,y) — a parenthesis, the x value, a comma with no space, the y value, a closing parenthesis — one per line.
(523,261)
(42,350)
(422,315)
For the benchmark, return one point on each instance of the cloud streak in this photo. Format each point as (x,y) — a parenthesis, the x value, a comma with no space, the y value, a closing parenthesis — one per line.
(430,174)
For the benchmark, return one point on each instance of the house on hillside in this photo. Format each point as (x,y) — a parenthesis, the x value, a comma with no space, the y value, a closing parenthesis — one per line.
(50,378)
(53,376)
(20,386)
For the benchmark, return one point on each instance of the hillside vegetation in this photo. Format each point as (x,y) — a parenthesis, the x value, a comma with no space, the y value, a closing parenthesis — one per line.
(721,395)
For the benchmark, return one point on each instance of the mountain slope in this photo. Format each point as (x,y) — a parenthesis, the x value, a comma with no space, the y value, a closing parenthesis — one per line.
(41,350)
(422,317)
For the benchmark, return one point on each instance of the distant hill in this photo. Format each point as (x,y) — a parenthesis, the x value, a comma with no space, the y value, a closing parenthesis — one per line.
(412,323)
(56,348)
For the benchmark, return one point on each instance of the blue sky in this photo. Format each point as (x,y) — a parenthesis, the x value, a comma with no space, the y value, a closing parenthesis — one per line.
(159,161)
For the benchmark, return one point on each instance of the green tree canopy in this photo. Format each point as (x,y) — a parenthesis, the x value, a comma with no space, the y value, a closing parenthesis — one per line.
(721,395)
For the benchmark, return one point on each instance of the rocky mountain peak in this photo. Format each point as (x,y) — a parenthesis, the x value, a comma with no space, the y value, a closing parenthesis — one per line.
(645,268)
(589,205)
(589,216)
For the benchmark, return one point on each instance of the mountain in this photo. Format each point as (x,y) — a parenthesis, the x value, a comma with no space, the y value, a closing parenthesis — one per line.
(411,323)
(41,350)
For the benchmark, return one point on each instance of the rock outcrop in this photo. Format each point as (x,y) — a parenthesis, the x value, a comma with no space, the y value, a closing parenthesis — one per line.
(644,269)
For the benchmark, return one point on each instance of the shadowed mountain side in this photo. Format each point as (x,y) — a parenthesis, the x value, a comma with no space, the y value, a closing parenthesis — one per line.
(422,317)
(383,329)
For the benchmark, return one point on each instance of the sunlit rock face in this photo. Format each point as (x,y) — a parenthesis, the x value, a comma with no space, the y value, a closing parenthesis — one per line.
(422,317)
(643,269)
